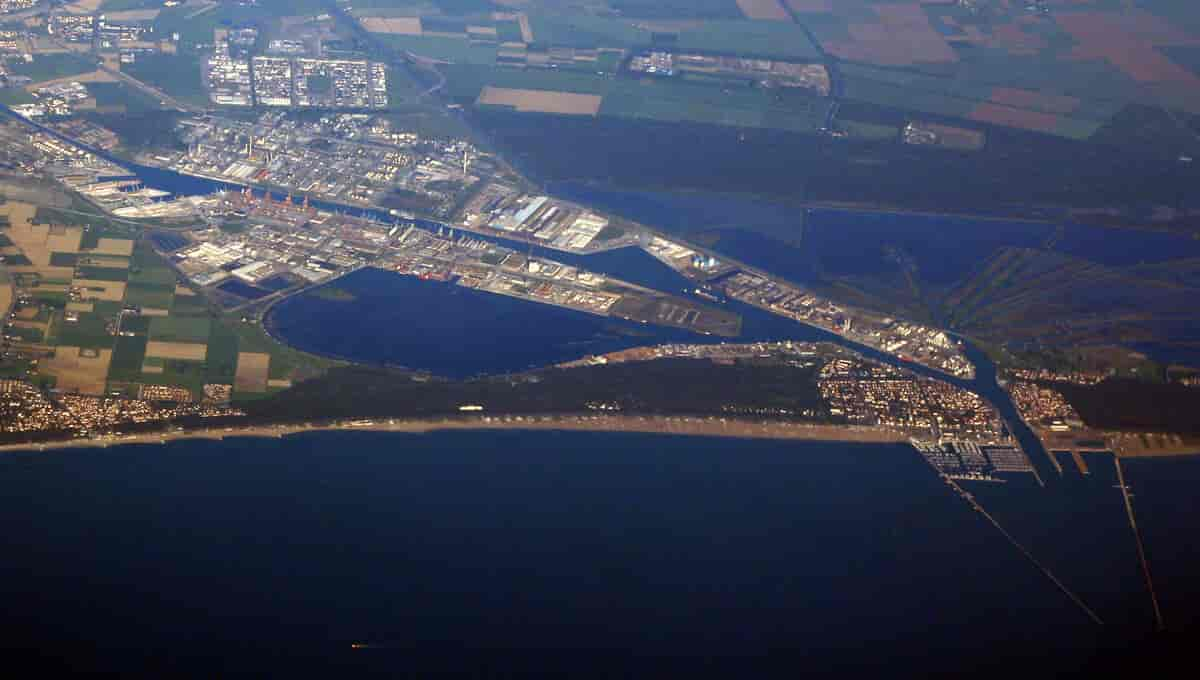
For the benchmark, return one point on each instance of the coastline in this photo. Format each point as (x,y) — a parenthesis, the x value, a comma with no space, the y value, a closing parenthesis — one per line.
(666,425)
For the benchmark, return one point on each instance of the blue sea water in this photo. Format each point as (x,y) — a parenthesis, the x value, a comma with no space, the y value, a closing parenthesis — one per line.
(1167,505)
(544,549)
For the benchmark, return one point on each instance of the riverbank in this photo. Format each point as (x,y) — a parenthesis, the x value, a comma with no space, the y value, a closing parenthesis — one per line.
(668,425)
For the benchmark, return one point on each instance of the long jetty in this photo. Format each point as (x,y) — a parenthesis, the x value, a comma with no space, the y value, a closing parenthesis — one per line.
(1137,536)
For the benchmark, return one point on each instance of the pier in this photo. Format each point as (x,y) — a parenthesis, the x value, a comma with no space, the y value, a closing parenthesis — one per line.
(970,499)
(1137,536)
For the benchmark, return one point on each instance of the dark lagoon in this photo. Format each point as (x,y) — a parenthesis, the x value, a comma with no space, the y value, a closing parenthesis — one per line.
(801,243)
(447,329)
(558,550)
(397,320)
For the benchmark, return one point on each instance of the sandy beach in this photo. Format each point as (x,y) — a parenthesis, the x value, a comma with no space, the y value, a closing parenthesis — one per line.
(671,425)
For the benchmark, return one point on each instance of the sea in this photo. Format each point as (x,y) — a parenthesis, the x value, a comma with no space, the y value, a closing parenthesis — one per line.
(511,552)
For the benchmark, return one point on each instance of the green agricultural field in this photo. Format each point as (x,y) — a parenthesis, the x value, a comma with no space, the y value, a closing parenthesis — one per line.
(608,62)
(285,362)
(63,259)
(52,66)
(685,102)
(151,278)
(677,9)
(797,119)
(144,257)
(869,131)
(198,28)
(415,7)
(898,96)
(26,334)
(295,7)
(126,5)
(221,362)
(149,295)
(958,97)
(443,24)
(178,373)
(135,323)
(53,298)
(671,101)
(175,74)
(119,96)
(88,332)
(465,81)
(128,356)
(151,282)
(14,368)
(442,48)
(653,99)
(107,308)
(152,275)
(15,96)
(180,329)
(400,88)
(557,30)
(189,305)
(102,273)
(84,214)
(769,39)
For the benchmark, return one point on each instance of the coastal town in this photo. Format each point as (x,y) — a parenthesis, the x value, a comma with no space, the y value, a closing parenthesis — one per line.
(26,409)
(857,403)
(855,390)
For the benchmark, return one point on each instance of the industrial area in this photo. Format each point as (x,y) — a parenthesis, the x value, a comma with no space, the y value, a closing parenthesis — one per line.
(353,159)
(908,341)
(294,244)
(295,82)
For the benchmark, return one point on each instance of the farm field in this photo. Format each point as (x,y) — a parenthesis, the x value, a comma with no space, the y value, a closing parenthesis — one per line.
(541,101)
(1067,72)
(110,315)
(549,91)
(49,67)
